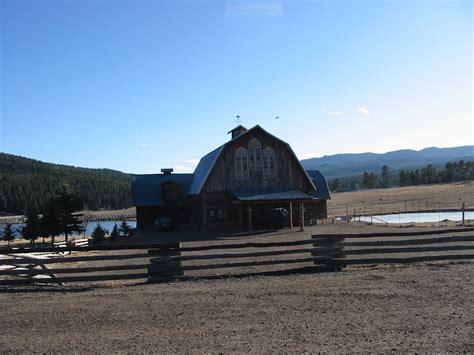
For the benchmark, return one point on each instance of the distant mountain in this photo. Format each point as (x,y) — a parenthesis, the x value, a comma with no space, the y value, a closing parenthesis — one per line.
(342,165)
(28,183)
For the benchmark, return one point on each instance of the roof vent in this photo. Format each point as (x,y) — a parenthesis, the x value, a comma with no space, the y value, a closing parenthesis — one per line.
(167,171)
(237,131)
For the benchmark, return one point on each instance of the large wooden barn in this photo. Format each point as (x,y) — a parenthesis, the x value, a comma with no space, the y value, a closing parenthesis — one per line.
(248,182)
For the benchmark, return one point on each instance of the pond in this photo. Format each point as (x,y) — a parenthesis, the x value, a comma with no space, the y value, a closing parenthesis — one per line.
(109,225)
(420,217)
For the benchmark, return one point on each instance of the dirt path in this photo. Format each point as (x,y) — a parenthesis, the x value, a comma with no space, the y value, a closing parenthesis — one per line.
(414,308)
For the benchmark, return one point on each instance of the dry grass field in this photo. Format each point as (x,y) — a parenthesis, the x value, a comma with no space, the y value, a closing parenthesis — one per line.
(403,199)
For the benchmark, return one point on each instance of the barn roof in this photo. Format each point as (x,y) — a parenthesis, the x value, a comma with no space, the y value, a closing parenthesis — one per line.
(206,163)
(322,189)
(203,169)
(270,195)
(146,189)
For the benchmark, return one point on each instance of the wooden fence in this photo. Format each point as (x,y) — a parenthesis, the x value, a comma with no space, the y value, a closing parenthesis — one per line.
(164,262)
(324,252)
(86,264)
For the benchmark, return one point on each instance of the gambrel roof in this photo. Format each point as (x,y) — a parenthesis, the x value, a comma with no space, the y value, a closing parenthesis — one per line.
(204,168)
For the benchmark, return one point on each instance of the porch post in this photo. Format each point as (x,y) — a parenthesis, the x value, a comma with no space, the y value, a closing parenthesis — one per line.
(301,217)
(249,210)
(204,217)
(241,217)
(291,214)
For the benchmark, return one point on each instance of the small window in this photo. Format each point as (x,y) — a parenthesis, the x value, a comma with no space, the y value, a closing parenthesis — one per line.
(269,165)
(255,154)
(241,164)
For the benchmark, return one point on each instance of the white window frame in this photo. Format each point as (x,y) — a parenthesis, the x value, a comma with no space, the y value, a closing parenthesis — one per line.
(255,154)
(269,163)
(241,164)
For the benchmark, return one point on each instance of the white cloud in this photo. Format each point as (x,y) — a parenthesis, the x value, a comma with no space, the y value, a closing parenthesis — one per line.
(363,111)
(307,155)
(182,169)
(335,113)
(143,144)
(191,161)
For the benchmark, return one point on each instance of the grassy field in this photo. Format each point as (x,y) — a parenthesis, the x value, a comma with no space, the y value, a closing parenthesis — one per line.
(403,199)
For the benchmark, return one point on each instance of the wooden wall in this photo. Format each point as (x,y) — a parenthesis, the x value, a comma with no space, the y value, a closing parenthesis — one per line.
(289,174)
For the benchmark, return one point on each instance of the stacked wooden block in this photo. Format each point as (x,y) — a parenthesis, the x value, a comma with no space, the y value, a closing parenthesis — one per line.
(328,251)
(165,264)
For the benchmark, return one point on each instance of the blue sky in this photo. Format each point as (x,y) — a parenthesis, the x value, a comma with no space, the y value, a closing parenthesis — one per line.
(145,84)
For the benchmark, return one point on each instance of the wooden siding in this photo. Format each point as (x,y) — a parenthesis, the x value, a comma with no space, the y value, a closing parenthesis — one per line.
(289,174)
(181,215)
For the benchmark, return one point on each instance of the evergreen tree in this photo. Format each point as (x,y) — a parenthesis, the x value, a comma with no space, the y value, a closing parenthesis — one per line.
(51,222)
(69,222)
(8,233)
(98,235)
(336,185)
(115,233)
(402,178)
(31,231)
(125,230)
(370,180)
(386,177)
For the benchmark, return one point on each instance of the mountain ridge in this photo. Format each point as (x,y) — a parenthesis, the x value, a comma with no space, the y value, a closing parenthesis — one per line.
(347,164)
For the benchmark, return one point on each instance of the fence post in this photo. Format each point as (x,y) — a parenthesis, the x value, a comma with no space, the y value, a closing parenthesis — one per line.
(327,249)
(164,266)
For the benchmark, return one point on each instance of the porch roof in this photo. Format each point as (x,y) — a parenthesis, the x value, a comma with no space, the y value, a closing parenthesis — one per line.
(271,195)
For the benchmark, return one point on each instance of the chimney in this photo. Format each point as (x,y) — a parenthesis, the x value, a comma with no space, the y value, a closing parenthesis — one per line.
(237,131)
(167,171)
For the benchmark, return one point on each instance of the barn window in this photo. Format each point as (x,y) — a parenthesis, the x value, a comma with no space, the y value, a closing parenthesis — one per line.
(241,164)
(255,154)
(269,167)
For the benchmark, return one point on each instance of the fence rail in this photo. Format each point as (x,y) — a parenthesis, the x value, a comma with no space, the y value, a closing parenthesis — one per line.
(164,262)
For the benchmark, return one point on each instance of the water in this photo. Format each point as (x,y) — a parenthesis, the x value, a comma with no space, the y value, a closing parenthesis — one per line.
(109,225)
(421,217)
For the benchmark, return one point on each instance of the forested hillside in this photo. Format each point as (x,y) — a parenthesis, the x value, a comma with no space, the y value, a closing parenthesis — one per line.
(27,183)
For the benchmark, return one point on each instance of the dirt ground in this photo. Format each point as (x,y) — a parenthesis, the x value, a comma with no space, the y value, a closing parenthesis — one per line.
(420,308)
(402,199)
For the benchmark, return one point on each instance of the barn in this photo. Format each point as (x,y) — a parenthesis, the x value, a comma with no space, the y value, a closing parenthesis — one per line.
(252,181)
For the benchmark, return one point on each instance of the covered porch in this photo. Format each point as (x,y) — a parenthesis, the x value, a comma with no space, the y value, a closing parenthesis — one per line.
(253,205)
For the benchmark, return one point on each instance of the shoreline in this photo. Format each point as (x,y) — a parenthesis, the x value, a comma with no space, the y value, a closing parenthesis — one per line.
(128,214)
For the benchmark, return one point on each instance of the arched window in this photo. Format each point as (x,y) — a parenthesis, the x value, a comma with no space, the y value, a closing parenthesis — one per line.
(269,168)
(241,164)
(255,154)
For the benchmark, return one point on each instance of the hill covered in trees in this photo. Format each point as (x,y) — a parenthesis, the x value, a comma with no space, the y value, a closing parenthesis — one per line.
(30,184)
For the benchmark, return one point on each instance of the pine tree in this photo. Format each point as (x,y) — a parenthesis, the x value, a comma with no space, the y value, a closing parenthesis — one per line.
(98,235)
(115,233)
(8,233)
(336,185)
(69,222)
(386,177)
(125,230)
(31,231)
(50,222)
